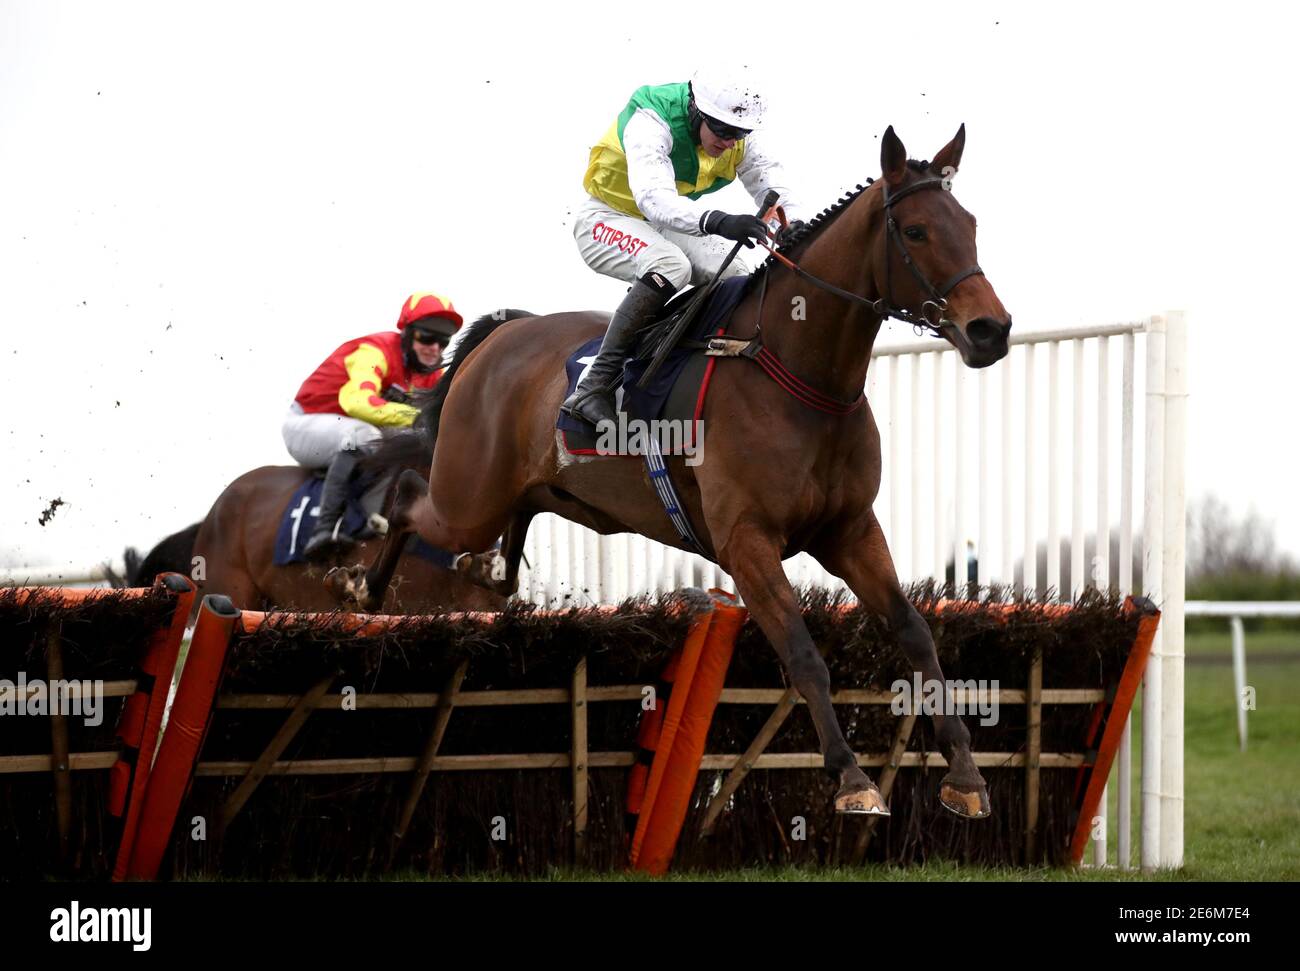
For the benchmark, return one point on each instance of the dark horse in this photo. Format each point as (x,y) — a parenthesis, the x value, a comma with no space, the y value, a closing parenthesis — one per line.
(171,555)
(782,474)
(237,538)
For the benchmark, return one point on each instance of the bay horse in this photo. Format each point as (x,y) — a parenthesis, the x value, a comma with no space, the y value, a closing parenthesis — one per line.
(793,459)
(236,542)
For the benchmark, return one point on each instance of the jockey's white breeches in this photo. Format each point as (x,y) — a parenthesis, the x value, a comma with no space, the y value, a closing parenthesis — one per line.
(313,440)
(627,248)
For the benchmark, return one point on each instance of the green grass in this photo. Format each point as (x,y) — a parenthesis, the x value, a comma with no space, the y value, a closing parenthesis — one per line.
(1218,643)
(1242,814)
(875,873)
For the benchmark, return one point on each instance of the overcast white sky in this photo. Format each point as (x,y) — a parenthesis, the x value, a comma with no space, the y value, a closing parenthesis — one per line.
(199,201)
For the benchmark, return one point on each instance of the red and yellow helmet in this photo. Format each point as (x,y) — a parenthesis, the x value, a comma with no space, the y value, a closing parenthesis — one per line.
(421,305)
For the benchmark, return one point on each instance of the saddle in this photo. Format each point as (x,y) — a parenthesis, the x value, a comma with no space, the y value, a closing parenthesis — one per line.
(678,389)
(658,330)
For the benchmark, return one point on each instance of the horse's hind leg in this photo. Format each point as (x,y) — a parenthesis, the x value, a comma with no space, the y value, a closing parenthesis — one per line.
(865,565)
(753,559)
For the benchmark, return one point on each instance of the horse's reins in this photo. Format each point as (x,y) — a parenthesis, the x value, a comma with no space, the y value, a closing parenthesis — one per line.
(885,307)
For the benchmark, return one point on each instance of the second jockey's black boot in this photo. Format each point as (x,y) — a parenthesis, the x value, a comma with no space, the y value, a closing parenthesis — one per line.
(593,399)
(328,538)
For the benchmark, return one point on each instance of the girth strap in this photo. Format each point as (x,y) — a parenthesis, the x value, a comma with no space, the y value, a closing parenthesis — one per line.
(662,482)
(772,365)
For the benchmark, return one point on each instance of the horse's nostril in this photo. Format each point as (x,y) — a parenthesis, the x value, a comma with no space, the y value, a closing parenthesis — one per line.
(986,332)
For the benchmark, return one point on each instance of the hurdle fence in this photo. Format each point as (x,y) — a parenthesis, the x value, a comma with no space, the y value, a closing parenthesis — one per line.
(174,738)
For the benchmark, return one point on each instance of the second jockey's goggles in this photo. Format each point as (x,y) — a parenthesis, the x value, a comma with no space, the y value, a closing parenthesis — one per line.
(431,330)
(725,131)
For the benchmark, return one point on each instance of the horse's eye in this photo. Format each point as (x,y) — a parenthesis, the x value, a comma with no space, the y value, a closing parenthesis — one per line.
(915,233)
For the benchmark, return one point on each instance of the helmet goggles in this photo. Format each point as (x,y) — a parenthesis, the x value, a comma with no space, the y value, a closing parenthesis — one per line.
(723,130)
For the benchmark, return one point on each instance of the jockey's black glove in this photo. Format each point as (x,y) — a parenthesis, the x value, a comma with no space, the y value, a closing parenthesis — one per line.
(787,232)
(743,229)
(396,394)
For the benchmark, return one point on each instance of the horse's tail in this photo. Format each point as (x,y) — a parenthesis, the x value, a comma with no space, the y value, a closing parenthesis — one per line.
(172,555)
(473,335)
(131,560)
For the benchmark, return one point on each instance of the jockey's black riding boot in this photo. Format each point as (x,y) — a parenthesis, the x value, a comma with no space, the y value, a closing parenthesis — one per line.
(593,399)
(328,537)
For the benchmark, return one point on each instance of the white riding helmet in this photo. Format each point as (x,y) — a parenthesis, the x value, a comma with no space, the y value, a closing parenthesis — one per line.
(727,99)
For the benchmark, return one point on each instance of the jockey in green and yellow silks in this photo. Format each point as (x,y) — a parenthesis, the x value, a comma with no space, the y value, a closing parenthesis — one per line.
(646,219)
(695,172)
(358,390)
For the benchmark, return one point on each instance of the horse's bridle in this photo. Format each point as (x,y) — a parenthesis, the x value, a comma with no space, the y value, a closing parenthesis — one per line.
(938,295)
(884,306)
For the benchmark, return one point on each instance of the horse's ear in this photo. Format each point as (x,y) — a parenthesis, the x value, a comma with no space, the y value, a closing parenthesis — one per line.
(893,158)
(950,155)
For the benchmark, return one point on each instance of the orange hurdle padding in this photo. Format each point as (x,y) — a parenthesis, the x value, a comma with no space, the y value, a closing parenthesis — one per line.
(648,733)
(700,676)
(368,625)
(1129,681)
(69,596)
(1095,722)
(137,728)
(191,714)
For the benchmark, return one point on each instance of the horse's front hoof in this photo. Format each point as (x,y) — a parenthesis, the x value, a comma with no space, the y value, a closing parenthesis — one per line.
(348,585)
(368,601)
(967,805)
(338,582)
(861,802)
(485,569)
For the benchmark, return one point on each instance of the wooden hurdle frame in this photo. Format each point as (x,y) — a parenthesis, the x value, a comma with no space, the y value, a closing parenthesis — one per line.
(218,622)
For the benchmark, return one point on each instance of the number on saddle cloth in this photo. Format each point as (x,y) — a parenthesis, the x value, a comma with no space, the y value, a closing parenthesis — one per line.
(366,496)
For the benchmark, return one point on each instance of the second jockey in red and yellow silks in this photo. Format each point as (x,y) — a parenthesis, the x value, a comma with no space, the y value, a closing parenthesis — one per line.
(356,392)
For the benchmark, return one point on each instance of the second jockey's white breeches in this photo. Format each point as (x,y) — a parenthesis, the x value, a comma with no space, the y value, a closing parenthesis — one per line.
(627,248)
(314,439)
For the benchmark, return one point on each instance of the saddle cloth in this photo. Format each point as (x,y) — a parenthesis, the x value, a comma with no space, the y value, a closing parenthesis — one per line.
(364,497)
(679,387)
